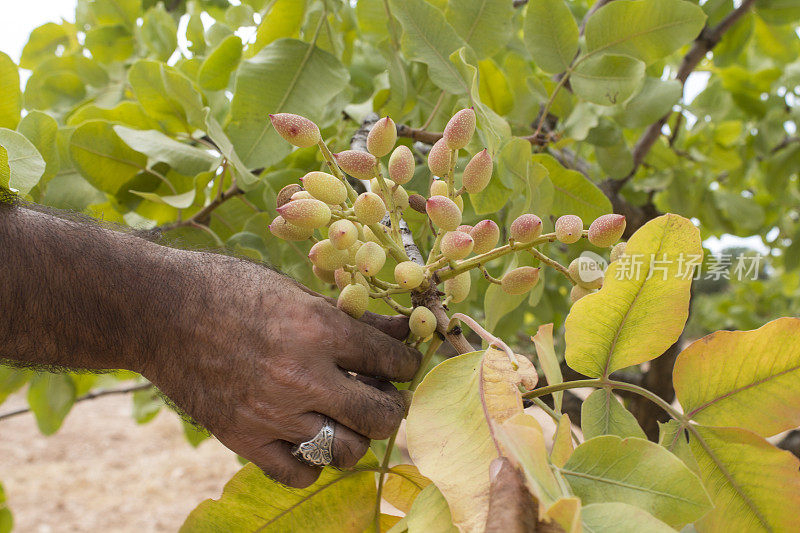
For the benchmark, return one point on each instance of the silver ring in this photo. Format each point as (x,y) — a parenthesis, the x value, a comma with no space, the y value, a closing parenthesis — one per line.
(319,450)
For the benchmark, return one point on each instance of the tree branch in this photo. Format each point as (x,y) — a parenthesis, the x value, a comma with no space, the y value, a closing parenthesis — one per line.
(91,395)
(704,43)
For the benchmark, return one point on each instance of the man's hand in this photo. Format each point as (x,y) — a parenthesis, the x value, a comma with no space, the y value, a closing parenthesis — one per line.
(248,353)
(267,359)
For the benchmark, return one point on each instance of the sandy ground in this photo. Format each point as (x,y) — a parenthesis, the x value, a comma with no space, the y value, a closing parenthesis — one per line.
(103,472)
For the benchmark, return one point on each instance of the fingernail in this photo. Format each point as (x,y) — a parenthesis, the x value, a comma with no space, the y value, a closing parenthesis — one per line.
(494,468)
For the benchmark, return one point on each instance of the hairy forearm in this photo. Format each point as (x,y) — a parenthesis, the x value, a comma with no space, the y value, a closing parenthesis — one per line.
(81,296)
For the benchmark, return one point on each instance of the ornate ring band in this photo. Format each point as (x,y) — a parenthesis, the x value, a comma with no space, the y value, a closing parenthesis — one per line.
(319,450)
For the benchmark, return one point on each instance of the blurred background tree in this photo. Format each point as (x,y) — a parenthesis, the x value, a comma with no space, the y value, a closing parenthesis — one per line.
(153,114)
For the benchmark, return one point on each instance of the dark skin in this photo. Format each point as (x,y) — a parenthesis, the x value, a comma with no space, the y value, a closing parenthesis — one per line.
(253,356)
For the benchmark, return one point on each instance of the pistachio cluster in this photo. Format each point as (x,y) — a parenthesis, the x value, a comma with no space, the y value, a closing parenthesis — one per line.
(355,234)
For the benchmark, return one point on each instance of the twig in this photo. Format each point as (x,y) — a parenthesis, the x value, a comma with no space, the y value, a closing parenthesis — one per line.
(202,216)
(91,395)
(704,43)
(419,135)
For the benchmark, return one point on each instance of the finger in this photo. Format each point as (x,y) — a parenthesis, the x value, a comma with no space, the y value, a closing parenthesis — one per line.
(348,446)
(366,410)
(276,460)
(366,351)
(380,384)
(395,326)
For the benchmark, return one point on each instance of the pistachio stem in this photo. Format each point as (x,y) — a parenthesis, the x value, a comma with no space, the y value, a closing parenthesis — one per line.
(468,264)
(551,262)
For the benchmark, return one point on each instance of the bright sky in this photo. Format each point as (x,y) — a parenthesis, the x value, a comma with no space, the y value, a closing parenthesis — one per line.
(17,22)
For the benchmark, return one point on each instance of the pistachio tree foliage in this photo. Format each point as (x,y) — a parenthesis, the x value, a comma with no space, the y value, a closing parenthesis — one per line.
(517,128)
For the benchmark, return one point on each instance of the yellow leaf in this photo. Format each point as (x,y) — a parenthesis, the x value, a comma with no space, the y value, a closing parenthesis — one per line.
(643,305)
(403,484)
(720,378)
(754,485)
(450,429)
(388,521)
(525,447)
(498,384)
(562,442)
(566,512)
(340,501)
(543,340)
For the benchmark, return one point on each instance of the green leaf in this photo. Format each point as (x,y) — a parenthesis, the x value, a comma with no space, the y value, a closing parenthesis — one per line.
(6,520)
(11,379)
(607,79)
(286,76)
(159,32)
(44,41)
(652,102)
(647,30)
(493,128)
(611,469)
(283,20)
(491,199)
(493,87)
(754,485)
(615,160)
(497,303)
(193,433)
(340,500)
(5,171)
(123,12)
(620,517)
(215,73)
(178,201)
(185,159)
(225,146)
(41,130)
(602,414)
(778,11)
(24,161)
(551,35)
(167,96)
(428,38)
(643,305)
(51,397)
(10,94)
(69,190)
(719,378)
(109,44)
(430,512)
(146,405)
(574,193)
(103,158)
(672,436)
(126,113)
(195,31)
(485,25)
